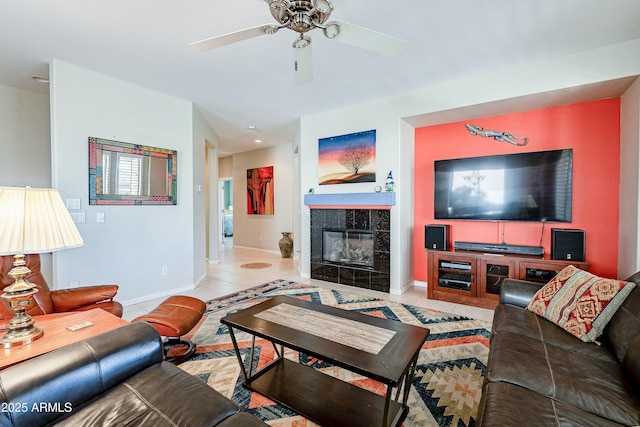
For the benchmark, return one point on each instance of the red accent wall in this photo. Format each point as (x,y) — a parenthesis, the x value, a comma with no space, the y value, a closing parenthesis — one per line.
(592,129)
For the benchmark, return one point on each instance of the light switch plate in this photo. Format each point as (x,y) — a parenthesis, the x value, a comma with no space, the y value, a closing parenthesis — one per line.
(78,217)
(73,204)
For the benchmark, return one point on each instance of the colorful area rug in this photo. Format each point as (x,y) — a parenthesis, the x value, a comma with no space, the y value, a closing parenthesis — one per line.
(446,389)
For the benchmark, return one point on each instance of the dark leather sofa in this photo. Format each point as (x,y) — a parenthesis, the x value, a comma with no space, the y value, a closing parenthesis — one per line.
(538,374)
(114,379)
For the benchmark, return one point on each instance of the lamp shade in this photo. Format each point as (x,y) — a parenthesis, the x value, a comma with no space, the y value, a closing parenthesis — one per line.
(35,220)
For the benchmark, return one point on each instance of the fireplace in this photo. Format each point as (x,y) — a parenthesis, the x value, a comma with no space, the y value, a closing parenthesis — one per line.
(348,247)
(352,247)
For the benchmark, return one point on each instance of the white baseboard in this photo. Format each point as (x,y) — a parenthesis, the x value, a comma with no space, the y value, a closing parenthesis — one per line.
(402,290)
(166,293)
(258,249)
(199,280)
(420,284)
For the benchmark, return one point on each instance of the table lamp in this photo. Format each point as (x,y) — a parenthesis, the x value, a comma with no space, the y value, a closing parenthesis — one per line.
(32,221)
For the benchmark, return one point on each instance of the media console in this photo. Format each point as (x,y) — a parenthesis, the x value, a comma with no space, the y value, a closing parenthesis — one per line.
(475,278)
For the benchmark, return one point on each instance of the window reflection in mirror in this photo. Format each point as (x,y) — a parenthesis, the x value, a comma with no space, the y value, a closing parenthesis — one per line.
(128,174)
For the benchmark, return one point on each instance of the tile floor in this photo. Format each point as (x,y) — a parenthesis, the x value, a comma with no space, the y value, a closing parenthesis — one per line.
(227,277)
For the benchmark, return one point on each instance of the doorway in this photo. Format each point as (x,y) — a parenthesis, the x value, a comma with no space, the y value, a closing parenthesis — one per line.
(226,210)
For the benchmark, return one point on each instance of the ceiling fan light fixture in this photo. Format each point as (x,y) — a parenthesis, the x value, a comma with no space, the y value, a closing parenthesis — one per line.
(332,30)
(279,5)
(300,15)
(301,42)
(322,6)
(302,22)
(271,29)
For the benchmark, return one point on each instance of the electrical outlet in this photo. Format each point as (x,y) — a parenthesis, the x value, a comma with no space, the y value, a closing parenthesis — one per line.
(164,271)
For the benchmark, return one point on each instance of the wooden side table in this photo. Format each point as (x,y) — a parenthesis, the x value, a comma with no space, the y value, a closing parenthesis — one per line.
(57,335)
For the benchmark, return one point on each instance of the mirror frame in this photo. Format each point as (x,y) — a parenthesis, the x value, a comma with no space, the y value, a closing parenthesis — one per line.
(97,145)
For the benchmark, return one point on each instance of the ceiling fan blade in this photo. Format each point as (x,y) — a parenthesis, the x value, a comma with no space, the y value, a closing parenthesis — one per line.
(303,64)
(237,36)
(370,39)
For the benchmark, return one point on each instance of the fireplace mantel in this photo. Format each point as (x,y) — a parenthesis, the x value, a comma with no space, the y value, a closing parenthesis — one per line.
(345,200)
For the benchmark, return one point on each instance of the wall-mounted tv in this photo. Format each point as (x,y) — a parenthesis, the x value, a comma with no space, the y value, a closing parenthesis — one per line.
(533,186)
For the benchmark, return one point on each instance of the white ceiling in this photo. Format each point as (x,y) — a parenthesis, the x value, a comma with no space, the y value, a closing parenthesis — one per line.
(145,42)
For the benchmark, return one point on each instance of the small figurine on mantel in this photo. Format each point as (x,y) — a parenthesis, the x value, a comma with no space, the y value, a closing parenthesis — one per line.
(390,185)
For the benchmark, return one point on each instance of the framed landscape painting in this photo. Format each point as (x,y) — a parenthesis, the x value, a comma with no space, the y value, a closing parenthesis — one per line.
(347,158)
(260,191)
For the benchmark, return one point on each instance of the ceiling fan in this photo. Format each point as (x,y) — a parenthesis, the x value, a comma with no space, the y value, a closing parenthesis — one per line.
(301,17)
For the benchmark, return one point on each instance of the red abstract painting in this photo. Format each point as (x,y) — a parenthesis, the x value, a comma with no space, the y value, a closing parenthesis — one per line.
(260,191)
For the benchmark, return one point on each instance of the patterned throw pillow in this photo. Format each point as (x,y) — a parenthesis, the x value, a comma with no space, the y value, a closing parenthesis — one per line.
(580,302)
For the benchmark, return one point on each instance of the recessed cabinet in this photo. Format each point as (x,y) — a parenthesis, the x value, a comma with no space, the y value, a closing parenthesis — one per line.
(492,274)
(455,273)
(542,270)
(476,278)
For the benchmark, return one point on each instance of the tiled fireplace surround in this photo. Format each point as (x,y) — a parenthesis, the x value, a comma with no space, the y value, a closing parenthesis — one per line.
(353,218)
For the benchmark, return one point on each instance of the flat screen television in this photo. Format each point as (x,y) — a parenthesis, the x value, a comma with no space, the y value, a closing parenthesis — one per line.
(533,186)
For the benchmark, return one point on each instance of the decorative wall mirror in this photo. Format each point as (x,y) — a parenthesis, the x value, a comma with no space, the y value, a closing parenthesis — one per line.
(130,174)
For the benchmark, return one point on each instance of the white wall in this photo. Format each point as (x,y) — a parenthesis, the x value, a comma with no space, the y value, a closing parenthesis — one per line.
(404,200)
(389,157)
(205,196)
(263,231)
(24,138)
(296,208)
(506,89)
(25,148)
(225,167)
(135,242)
(629,239)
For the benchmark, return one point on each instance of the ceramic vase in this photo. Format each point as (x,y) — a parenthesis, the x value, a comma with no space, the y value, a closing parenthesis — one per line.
(286,244)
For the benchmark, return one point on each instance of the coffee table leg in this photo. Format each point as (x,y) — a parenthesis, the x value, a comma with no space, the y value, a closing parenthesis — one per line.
(247,377)
(409,380)
(387,402)
(253,346)
(405,386)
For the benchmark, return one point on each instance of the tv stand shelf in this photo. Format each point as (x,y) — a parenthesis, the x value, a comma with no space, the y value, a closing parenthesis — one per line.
(475,278)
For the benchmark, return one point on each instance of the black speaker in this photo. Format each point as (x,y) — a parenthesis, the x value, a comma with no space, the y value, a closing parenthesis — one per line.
(436,236)
(567,244)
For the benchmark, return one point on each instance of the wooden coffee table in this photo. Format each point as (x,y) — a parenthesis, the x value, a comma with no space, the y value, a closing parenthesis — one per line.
(57,335)
(381,349)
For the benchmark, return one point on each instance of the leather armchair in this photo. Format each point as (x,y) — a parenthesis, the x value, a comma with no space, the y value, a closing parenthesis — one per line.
(48,301)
